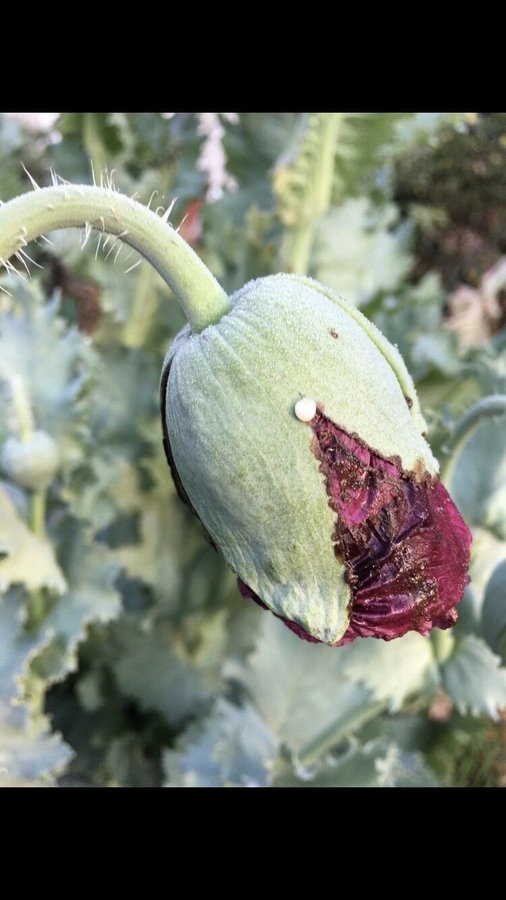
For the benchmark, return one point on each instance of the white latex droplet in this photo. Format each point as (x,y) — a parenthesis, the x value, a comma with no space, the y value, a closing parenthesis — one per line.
(305,409)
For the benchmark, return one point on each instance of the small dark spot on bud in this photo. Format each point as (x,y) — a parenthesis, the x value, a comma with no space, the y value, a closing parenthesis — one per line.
(409,401)
(334,333)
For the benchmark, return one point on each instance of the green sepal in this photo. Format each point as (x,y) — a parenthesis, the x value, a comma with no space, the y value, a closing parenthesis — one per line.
(246,462)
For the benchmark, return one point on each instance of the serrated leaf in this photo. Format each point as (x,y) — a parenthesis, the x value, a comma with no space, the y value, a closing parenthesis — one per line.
(375,764)
(87,489)
(91,597)
(355,768)
(393,670)
(169,554)
(30,760)
(301,690)
(358,253)
(25,558)
(29,753)
(17,647)
(128,394)
(399,769)
(156,557)
(473,678)
(365,140)
(411,316)
(57,392)
(232,746)
(161,672)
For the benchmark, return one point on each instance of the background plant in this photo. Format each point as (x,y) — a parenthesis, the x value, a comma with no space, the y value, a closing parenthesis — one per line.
(127,656)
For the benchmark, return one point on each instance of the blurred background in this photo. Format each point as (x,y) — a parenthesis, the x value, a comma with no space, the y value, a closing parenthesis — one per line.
(127,655)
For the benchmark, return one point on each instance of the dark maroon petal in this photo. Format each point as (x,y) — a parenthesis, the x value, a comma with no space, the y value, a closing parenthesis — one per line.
(403,542)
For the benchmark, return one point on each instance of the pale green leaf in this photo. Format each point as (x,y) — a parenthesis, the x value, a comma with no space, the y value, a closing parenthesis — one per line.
(25,558)
(32,334)
(161,672)
(29,753)
(399,769)
(155,558)
(354,768)
(476,475)
(411,316)
(393,670)
(487,552)
(493,614)
(232,746)
(91,597)
(357,252)
(375,764)
(86,489)
(128,394)
(30,759)
(301,690)
(330,156)
(473,678)
(17,646)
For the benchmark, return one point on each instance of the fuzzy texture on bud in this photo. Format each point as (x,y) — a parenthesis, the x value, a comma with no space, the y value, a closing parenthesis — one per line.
(337,521)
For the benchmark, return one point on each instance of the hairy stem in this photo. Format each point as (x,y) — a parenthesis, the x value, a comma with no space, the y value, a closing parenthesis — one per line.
(76,206)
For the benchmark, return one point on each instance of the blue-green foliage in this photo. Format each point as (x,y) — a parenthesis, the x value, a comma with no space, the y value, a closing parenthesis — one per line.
(127,656)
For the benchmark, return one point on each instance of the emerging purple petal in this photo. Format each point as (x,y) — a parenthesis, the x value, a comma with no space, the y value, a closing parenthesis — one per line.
(403,542)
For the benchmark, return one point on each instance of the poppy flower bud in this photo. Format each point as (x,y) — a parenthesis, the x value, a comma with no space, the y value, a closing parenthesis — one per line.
(294,431)
(31,463)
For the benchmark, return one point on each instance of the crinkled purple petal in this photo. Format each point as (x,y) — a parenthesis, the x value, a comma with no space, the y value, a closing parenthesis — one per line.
(403,542)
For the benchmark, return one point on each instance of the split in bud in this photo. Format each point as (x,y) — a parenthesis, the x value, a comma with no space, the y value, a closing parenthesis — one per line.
(404,544)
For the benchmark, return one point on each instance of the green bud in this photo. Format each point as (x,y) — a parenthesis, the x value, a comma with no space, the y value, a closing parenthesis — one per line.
(33,463)
(247,463)
(294,431)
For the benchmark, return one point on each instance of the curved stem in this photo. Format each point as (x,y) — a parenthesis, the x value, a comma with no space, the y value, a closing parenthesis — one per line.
(202,299)
(485,408)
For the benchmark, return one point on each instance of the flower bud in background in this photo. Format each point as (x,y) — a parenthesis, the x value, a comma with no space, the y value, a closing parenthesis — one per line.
(294,431)
(32,463)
